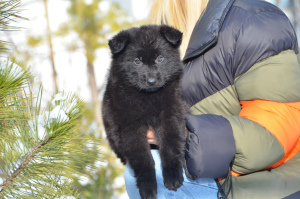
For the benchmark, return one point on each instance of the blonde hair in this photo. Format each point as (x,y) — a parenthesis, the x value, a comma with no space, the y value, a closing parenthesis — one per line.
(180,14)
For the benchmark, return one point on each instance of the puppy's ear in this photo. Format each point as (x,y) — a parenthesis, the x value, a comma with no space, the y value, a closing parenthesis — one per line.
(172,35)
(118,42)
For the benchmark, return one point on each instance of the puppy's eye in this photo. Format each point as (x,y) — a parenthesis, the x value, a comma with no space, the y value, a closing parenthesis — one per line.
(137,62)
(159,59)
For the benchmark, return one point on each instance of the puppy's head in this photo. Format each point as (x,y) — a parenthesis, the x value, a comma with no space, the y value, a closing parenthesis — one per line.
(147,57)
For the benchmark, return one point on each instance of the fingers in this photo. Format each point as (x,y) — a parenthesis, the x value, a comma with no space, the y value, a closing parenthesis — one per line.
(151,136)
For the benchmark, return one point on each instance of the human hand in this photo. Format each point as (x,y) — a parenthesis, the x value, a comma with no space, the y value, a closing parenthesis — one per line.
(152,138)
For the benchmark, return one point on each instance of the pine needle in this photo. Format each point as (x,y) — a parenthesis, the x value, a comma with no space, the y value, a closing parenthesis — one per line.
(38,149)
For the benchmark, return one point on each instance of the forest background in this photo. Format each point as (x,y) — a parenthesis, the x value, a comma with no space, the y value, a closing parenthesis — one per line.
(62,46)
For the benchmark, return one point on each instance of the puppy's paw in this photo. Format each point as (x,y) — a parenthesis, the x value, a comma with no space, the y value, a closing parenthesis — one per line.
(173,178)
(148,193)
(147,185)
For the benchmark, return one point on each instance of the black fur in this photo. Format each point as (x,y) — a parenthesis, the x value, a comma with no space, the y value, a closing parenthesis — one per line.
(146,94)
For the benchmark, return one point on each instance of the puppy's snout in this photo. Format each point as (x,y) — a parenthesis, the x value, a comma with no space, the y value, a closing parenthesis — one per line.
(152,81)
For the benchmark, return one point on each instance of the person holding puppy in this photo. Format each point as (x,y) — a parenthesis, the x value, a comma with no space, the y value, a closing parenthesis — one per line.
(242,84)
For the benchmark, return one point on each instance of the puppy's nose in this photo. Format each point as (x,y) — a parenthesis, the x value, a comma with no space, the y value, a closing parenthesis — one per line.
(151,81)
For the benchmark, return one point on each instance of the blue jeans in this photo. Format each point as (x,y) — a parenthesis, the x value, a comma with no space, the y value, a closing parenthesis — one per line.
(203,188)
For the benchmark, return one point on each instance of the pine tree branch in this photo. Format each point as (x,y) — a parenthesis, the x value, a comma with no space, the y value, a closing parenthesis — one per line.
(15,174)
(41,152)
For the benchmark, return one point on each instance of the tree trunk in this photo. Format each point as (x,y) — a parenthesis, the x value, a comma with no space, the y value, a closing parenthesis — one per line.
(54,76)
(95,99)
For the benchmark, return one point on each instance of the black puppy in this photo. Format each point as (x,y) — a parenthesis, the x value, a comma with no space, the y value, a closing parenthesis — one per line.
(142,92)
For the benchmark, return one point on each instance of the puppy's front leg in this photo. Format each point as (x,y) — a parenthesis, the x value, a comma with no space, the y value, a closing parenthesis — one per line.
(139,157)
(171,143)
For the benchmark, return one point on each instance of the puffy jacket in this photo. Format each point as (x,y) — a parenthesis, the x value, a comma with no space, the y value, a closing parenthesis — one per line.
(242,82)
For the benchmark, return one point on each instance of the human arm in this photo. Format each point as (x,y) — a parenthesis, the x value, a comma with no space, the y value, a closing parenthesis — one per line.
(264,67)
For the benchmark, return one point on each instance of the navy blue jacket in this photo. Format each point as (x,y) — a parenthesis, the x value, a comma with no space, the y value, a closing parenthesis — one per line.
(234,46)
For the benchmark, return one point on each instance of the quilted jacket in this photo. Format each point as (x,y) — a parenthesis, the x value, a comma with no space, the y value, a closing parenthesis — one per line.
(242,83)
